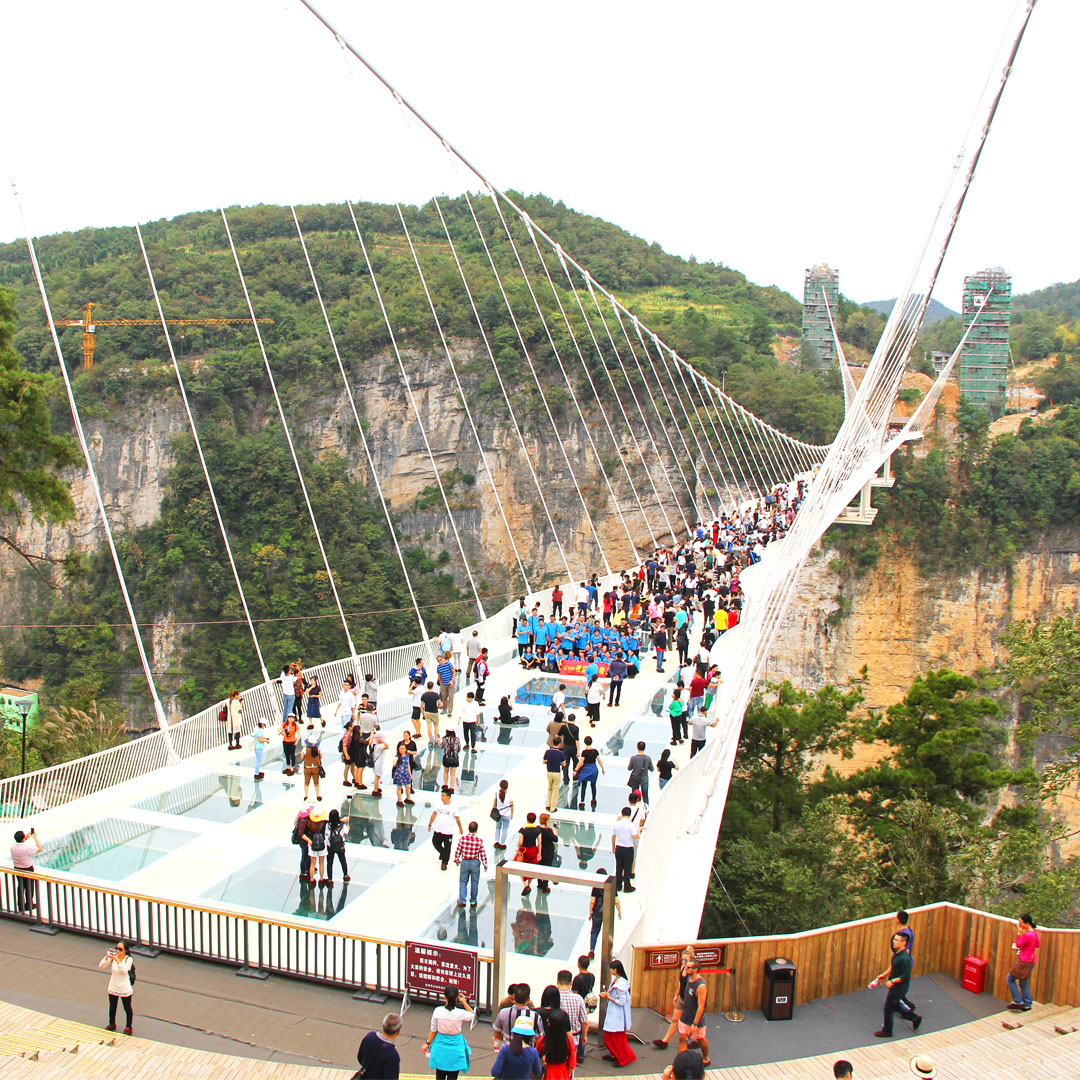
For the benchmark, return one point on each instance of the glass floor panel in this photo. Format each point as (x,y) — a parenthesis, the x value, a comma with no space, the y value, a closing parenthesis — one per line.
(542,924)
(383,824)
(215,797)
(624,742)
(612,791)
(584,846)
(112,848)
(541,689)
(271,883)
(477,771)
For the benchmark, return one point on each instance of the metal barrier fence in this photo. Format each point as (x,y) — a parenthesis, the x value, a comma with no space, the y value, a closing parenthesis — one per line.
(253,945)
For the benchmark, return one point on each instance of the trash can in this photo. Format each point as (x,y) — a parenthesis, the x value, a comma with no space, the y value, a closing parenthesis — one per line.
(778,993)
(974,978)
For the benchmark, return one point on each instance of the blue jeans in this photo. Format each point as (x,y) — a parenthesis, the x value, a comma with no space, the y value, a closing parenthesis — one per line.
(502,830)
(469,872)
(260,750)
(1021,992)
(594,933)
(694,704)
(286,707)
(659,659)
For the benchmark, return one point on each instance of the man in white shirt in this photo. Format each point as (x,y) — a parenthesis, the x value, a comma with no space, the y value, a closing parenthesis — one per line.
(22,858)
(472,652)
(443,819)
(623,835)
(470,714)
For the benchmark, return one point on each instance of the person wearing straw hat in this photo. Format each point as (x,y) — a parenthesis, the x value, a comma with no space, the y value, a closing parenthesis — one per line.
(517,1059)
(923,1065)
(315,838)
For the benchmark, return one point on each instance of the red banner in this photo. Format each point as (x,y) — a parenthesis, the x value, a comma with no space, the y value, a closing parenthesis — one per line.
(577,667)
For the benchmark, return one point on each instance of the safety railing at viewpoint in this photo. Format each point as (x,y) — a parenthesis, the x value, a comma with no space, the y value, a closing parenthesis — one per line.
(252,944)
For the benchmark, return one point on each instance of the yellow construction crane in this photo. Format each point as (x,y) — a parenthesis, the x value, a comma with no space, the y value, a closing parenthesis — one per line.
(89,327)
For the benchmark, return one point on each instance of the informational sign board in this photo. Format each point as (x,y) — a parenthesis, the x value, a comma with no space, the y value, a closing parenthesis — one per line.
(430,967)
(710,956)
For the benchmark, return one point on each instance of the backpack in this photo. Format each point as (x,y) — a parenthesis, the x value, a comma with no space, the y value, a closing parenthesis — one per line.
(224,714)
(131,974)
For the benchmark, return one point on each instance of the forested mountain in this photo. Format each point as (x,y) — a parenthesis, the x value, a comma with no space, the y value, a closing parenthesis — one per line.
(935,312)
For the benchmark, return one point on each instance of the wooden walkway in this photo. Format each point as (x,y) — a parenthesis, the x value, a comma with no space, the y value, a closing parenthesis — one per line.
(46,1048)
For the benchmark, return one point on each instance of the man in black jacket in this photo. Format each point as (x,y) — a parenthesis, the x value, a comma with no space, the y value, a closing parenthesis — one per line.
(897,980)
(378,1057)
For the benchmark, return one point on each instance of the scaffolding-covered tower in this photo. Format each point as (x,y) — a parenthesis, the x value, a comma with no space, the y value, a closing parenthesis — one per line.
(984,361)
(821,291)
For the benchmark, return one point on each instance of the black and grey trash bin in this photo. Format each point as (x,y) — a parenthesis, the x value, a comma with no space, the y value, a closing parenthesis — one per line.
(778,992)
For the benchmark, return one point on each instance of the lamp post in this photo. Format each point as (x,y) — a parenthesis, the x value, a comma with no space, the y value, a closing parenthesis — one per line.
(24,708)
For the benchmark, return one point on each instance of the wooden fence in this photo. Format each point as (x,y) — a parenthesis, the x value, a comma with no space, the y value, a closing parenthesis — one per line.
(841,959)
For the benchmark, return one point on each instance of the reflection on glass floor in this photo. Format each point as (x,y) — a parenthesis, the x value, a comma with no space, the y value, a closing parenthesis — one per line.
(655,736)
(584,846)
(541,924)
(272,883)
(381,823)
(215,797)
(112,848)
(612,790)
(476,773)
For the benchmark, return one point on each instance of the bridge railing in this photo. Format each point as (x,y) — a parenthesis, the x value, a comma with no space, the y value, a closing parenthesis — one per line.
(252,944)
(841,959)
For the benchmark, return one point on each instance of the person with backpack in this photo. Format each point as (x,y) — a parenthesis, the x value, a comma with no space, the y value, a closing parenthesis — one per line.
(451,749)
(335,847)
(315,838)
(121,983)
(508,1016)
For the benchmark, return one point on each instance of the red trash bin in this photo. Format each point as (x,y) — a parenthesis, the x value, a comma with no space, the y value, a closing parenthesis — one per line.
(974,974)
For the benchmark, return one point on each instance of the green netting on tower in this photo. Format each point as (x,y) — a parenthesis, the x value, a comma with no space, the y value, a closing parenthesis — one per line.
(821,292)
(984,362)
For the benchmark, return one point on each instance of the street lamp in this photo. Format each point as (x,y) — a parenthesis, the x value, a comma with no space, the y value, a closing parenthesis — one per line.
(24,708)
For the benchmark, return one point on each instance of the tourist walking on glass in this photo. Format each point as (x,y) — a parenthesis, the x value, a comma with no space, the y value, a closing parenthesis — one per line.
(313,765)
(448,1052)
(314,702)
(502,810)
(335,847)
(261,738)
(469,857)
(451,750)
(1026,946)
(401,774)
(290,731)
(596,916)
(442,821)
(617,1017)
(121,968)
(234,708)
(897,979)
(591,766)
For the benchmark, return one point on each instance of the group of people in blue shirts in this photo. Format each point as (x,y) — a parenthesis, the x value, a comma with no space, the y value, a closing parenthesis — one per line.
(543,643)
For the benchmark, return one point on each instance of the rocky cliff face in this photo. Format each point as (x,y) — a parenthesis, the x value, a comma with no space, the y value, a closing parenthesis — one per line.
(900,621)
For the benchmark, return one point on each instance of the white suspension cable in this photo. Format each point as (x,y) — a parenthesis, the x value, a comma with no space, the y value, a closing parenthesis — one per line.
(288,437)
(539,385)
(424,635)
(725,432)
(202,459)
(416,412)
(502,386)
(461,391)
(159,709)
(732,429)
(573,396)
(756,445)
(726,469)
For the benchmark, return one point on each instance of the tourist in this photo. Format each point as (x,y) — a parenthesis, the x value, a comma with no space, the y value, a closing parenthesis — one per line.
(502,810)
(234,708)
(596,921)
(448,1052)
(554,759)
(371,690)
(639,767)
(1026,947)
(345,709)
(687,1065)
(679,999)
(442,821)
(518,1007)
(617,1017)
(676,710)
(549,843)
(401,774)
(472,653)
(923,1065)
(451,750)
(358,752)
(416,693)
(261,737)
(429,701)
(290,732)
(665,767)
(481,671)
(570,733)
(377,1055)
(659,640)
(287,682)
(573,1004)
(446,673)
(22,858)
(469,856)
(557,1048)
(528,848)
(697,732)
(121,968)
(376,749)
(315,838)
(594,695)
(299,686)
(335,847)
(313,766)
(692,1021)
(623,836)
(314,702)
(556,602)
(897,979)
(300,825)
(591,766)
(842,1070)
(585,980)
(617,671)
(470,715)
(516,1060)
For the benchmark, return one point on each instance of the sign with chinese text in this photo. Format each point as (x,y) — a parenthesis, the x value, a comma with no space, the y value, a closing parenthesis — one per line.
(430,967)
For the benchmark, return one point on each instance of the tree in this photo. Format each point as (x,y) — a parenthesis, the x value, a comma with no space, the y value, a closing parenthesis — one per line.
(65,733)
(30,453)
(1043,667)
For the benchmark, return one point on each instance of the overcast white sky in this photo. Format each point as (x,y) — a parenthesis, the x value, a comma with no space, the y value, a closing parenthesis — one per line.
(766,134)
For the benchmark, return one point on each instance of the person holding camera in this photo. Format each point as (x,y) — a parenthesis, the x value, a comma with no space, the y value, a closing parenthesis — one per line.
(121,970)
(22,859)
